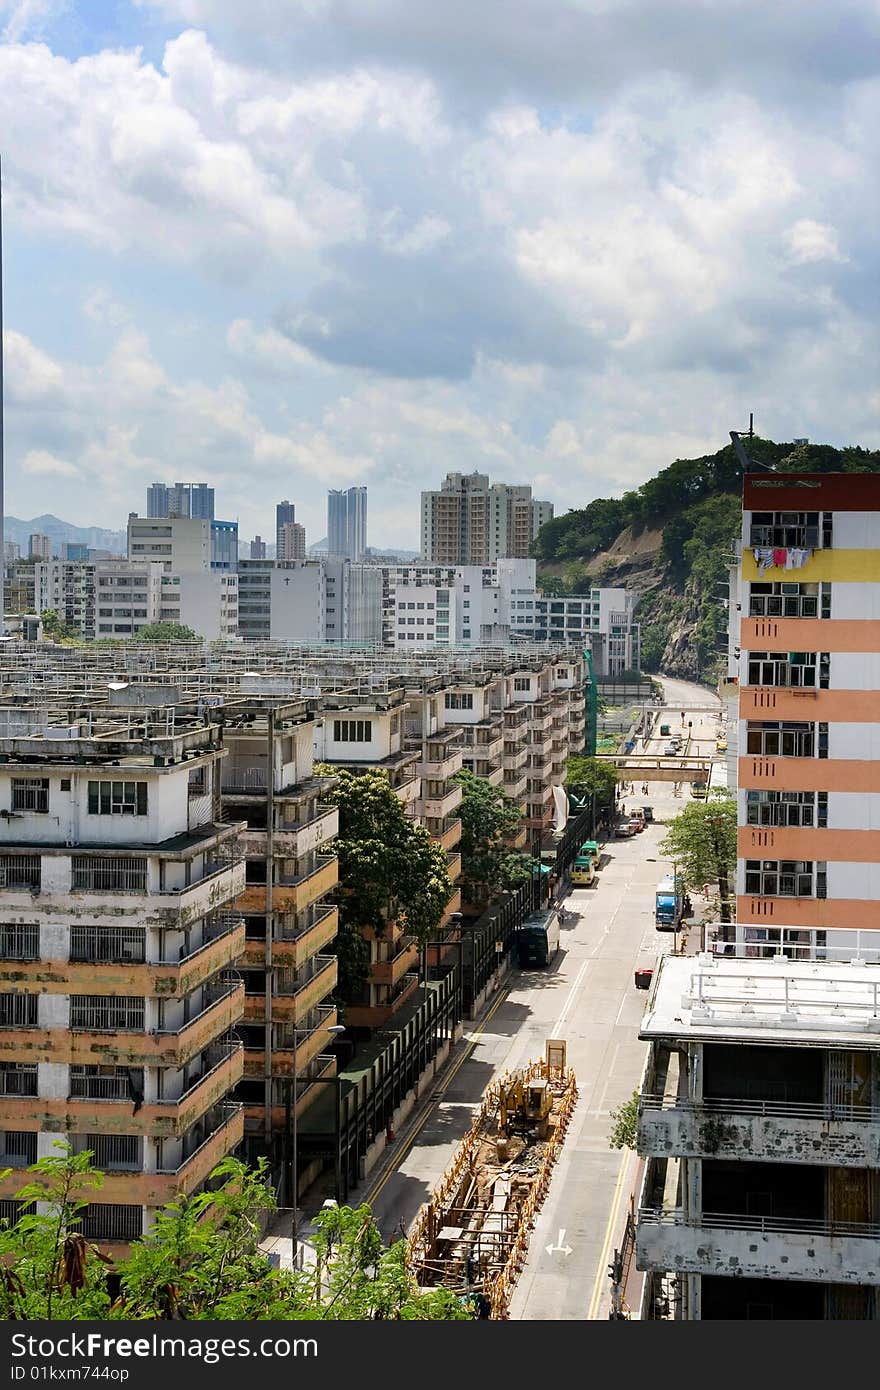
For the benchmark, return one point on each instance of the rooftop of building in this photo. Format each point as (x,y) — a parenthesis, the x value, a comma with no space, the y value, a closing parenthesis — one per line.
(711,998)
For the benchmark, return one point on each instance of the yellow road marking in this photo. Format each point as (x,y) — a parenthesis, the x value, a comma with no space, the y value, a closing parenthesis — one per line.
(411,1138)
(602,1271)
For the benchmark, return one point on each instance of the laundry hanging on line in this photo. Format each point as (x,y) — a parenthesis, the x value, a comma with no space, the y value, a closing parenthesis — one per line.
(779,557)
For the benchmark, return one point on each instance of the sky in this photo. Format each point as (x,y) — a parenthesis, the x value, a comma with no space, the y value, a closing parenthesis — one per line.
(287,245)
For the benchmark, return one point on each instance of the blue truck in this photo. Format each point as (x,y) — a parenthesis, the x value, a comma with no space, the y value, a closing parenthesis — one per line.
(668,903)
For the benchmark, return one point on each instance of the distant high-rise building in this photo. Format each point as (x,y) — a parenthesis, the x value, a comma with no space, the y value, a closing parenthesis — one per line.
(291,542)
(258,548)
(471,521)
(74,550)
(183,499)
(11,551)
(39,547)
(347,522)
(284,512)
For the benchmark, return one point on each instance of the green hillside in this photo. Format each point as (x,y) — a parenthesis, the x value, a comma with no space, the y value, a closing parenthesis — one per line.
(671,541)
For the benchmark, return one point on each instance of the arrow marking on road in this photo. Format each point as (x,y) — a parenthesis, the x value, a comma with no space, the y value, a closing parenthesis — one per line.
(559,1248)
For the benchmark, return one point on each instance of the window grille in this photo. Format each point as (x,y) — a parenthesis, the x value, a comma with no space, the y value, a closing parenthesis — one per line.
(20,871)
(18,1148)
(18,1010)
(30,794)
(106,1013)
(19,941)
(109,875)
(107,944)
(18,1079)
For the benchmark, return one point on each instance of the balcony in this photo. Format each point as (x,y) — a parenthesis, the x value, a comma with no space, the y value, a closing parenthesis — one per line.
(223,1069)
(293,840)
(294,1004)
(160,979)
(515,755)
(377,1015)
(758,1247)
(516,786)
(450,836)
(292,894)
(286,1062)
(320,927)
(390,972)
(453,866)
(774,1131)
(439,807)
(94,1046)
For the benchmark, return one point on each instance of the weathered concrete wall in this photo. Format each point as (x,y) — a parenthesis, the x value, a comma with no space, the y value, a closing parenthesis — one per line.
(788,1255)
(694,1134)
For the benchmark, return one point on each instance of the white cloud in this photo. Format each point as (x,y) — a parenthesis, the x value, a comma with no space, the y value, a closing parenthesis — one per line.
(40,463)
(810,241)
(25,18)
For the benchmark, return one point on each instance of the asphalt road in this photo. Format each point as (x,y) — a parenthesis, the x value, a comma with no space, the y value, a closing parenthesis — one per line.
(587,996)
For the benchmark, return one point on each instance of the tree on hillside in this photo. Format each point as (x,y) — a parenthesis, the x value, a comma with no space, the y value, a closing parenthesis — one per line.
(167,632)
(390,870)
(200,1259)
(701,842)
(489,820)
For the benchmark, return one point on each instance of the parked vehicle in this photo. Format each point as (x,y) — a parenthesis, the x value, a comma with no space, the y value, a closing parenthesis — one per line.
(637,818)
(537,940)
(699,790)
(583,871)
(668,903)
(664,730)
(671,750)
(591,848)
(624,830)
(649,814)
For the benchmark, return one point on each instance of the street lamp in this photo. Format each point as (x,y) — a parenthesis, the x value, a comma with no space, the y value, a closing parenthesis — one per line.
(334,1029)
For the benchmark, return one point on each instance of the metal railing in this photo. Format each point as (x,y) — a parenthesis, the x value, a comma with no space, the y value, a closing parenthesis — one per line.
(215,1122)
(765,1225)
(111,1221)
(18,1010)
(791,1109)
(87,1083)
(105,944)
(112,1153)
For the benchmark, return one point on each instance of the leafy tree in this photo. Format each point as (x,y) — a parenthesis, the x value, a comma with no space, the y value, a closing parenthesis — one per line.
(390,870)
(701,842)
(200,1260)
(584,776)
(167,632)
(625,1123)
(47,1267)
(56,628)
(489,820)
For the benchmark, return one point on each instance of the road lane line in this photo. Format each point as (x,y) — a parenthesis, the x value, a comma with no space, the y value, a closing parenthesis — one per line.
(602,1267)
(576,984)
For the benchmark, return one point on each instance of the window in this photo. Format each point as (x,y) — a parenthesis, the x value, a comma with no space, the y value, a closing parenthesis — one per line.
(107,944)
(18,1079)
(112,1152)
(106,1013)
(117,798)
(786,740)
(18,1148)
(106,1083)
(20,871)
(111,1221)
(459,700)
(790,529)
(787,808)
(18,1010)
(795,670)
(522,683)
(352,730)
(779,878)
(789,600)
(126,875)
(19,941)
(30,794)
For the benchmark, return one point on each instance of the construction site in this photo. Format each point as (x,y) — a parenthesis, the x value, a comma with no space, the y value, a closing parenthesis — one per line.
(472,1235)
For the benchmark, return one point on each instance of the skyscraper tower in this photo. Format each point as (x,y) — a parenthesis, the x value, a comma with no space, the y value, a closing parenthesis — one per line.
(284,512)
(347,522)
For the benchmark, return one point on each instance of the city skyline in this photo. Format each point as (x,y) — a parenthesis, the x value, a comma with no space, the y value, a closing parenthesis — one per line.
(616,254)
